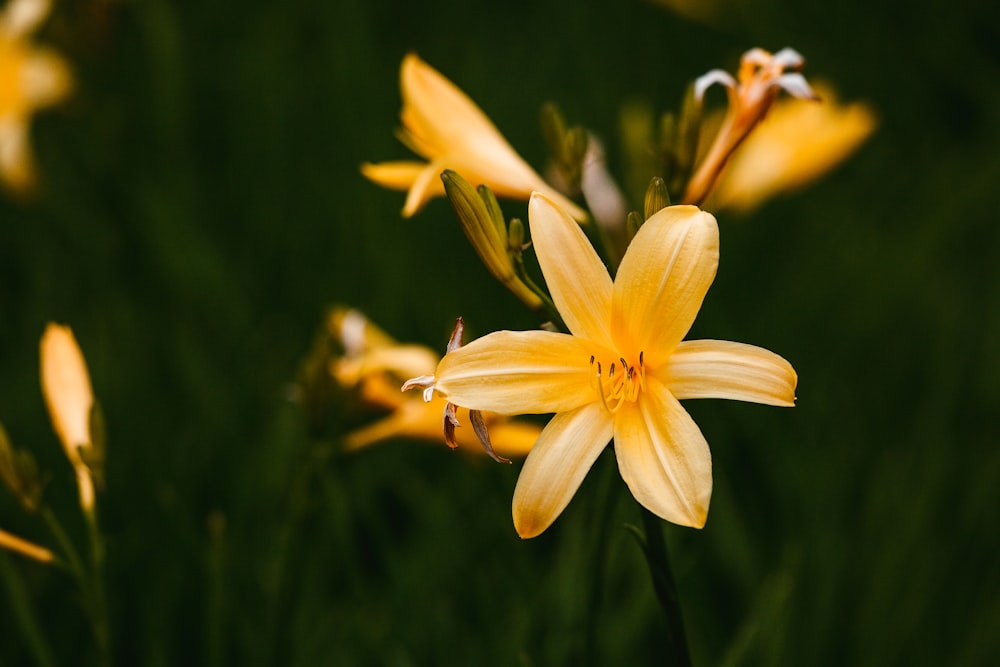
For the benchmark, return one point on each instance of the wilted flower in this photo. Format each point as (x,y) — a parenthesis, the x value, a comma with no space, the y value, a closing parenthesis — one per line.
(751,94)
(620,371)
(31,77)
(441,124)
(376,366)
(70,400)
(796,143)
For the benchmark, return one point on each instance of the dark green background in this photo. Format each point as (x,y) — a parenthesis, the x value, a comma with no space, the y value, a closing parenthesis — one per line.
(202,206)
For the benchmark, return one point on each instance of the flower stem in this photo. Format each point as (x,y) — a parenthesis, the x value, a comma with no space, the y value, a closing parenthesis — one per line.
(24,615)
(609,494)
(655,550)
(99,608)
(92,587)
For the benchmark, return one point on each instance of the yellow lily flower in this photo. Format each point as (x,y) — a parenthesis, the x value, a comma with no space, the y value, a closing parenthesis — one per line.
(621,371)
(442,124)
(70,400)
(376,365)
(30,78)
(796,143)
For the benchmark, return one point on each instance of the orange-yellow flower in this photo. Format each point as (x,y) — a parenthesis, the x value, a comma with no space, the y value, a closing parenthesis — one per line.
(798,142)
(621,370)
(376,365)
(441,124)
(70,400)
(31,77)
(761,76)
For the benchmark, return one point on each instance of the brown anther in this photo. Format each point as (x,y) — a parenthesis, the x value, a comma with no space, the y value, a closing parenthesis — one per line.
(479,426)
(455,341)
(450,422)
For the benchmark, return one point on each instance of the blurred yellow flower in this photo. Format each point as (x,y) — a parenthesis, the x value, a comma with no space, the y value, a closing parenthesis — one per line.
(441,124)
(798,142)
(620,372)
(70,400)
(31,77)
(376,366)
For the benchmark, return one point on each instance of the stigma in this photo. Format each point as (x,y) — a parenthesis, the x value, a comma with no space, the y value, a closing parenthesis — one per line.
(619,382)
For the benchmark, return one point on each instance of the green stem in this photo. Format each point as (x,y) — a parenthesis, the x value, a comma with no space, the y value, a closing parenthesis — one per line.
(547,305)
(92,587)
(611,487)
(663,583)
(24,615)
(99,610)
(72,557)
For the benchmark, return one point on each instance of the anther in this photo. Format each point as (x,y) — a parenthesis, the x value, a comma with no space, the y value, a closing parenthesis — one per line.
(611,373)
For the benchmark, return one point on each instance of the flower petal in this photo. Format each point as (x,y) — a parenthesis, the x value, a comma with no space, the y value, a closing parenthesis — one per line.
(395,175)
(437,111)
(556,466)
(662,280)
(427,185)
(736,371)
(518,372)
(576,277)
(22,17)
(422,421)
(663,457)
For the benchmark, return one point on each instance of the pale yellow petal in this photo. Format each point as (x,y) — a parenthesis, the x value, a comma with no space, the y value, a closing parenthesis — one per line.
(394,175)
(66,386)
(437,111)
(403,361)
(662,281)
(797,143)
(722,369)
(17,167)
(576,277)
(556,466)
(518,372)
(45,78)
(663,457)
(426,186)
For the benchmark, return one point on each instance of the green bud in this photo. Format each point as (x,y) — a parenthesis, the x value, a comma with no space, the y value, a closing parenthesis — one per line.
(93,456)
(493,210)
(553,129)
(632,224)
(657,196)
(688,132)
(567,145)
(19,473)
(482,221)
(515,236)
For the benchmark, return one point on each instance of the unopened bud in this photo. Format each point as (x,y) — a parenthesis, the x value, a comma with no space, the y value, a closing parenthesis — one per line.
(632,224)
(657,196)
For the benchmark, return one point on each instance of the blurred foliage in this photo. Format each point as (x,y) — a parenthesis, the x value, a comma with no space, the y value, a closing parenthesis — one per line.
(201,206)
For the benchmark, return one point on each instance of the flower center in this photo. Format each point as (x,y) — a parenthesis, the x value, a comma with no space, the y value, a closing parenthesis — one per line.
(618,382)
